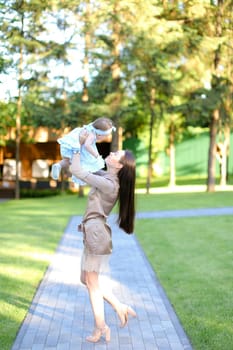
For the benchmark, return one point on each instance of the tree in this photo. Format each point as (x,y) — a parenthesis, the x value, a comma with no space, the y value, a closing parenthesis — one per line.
(155,55)
(205,84)
(22,29)
(226,72)
(19,29)
(216,113)
(144,64)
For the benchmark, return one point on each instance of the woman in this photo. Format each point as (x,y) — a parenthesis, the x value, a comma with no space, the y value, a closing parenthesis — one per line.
(117,183)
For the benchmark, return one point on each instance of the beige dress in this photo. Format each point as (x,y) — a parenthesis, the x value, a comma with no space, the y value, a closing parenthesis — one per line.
(97,237)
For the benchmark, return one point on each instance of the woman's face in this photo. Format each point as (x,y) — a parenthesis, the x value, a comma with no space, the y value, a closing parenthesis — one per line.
(113,159)
(103,138)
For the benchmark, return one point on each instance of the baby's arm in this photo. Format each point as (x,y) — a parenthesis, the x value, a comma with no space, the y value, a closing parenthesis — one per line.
(88,142)
(87,139)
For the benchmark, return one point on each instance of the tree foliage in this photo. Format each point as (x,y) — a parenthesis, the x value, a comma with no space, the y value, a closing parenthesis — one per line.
(145,64)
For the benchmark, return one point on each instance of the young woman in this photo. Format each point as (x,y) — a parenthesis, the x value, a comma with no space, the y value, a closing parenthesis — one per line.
(107,187)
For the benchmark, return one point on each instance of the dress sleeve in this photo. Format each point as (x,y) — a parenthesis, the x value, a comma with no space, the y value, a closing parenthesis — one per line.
(95,180)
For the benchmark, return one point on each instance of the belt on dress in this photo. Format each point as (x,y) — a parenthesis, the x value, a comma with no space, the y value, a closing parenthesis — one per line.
(80,226)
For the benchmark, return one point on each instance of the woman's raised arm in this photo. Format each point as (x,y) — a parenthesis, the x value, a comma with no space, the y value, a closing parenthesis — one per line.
(95,180)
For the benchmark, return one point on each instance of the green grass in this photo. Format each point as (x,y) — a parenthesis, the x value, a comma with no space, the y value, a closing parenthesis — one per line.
(181,180)
(29,234)
(192,257)
(173,201)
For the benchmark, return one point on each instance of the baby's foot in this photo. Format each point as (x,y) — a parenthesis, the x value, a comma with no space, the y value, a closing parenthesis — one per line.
(56,169)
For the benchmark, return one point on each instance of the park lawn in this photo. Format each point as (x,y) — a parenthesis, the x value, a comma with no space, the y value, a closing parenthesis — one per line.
(173,201)
(30,232)
(163,181)
(193,259)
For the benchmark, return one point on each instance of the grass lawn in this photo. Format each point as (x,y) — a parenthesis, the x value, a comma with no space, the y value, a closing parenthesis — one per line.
(180,180)
(173,201)
(192,257)
(30,230)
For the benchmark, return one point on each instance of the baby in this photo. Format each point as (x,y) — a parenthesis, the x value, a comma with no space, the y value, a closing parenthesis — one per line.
(83,140)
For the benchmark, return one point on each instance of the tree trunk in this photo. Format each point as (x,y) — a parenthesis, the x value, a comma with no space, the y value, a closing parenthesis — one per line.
(18,125)
(149,168)
(87,44)
(152,118)
(216,113)
(212,151)
(172,180)
(17,147)
(224,157)
(116,103)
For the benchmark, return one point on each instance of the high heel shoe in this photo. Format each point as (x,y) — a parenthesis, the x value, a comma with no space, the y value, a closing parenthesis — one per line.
(124,313)
(98,332)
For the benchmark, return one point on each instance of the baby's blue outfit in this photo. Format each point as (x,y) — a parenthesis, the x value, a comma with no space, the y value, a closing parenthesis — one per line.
(70,144)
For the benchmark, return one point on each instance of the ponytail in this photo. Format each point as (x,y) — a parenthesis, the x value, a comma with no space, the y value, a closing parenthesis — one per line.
(126,200)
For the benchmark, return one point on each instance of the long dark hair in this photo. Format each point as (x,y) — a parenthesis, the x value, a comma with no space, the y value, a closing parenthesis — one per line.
(126,199)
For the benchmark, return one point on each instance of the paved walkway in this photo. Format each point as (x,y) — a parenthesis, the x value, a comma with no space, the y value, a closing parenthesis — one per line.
(60,315)
(186,213)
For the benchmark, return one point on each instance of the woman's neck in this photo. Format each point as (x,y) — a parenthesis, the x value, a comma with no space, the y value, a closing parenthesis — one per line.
(112,170)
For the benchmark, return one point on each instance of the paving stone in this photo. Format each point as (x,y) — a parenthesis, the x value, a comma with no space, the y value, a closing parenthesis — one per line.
(38,346)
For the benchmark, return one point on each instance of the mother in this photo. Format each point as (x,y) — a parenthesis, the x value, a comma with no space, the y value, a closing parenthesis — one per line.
(107,187)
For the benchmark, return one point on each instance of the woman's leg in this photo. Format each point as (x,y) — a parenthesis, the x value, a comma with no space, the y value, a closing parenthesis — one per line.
(97,303)
(96,297)
(106,293)
(123,311)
